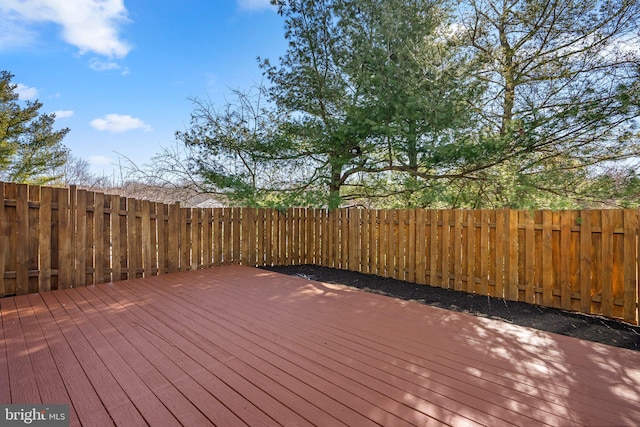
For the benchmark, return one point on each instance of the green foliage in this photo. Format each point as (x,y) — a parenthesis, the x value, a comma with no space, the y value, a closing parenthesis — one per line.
(404,103)
(30,150)
(561,89)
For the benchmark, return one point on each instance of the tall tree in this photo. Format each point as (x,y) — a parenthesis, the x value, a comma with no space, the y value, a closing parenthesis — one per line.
(309,84)
(414,91)
(563,91)
(30,149)
(372,90)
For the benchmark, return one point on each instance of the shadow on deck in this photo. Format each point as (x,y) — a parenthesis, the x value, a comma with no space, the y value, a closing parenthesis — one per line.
(237,345)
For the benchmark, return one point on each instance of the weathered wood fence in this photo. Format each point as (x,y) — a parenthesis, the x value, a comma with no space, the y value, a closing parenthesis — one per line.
(587,261)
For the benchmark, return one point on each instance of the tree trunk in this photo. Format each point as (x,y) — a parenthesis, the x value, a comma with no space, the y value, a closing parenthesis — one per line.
(334,185)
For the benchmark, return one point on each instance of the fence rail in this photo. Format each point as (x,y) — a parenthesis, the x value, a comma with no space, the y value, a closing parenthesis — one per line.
(587,261)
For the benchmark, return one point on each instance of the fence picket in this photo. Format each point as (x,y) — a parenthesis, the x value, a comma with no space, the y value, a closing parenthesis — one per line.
(607,258)
(97,232)
(456,250)
(433,244)
(529,257)
(44,239)
(630,297)
(65,254)
(471,252)
(81,237)
(22,240)
(547,259)
(207,243)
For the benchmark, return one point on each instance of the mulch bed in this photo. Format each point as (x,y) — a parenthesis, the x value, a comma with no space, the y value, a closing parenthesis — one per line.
(586,327)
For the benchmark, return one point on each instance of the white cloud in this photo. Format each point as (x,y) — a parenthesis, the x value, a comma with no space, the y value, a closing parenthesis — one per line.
(254,4)
(25,92)
(90,25)
(99,65)
(14,35)
(63,114)
(118,123)
(100,160)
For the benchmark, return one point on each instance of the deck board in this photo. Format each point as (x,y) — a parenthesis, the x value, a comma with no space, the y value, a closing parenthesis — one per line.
(237,345)
(50,383)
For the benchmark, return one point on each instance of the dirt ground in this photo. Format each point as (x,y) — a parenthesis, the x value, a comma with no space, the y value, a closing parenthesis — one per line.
(592,328)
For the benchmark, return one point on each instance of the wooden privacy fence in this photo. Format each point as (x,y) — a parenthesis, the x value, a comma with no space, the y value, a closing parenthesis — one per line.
(587,261)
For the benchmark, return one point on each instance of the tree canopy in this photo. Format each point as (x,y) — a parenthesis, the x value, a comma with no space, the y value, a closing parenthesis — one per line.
(479,103)
(30,149)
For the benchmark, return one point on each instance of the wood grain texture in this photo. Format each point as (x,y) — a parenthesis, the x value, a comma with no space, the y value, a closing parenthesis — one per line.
(235,345)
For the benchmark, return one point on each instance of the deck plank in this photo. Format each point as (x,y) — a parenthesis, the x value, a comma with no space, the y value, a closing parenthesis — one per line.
(24,388)
(151,408)
(50,383)
(236,345)
(135,332)
(133,351)
(82,395)
(176,347)
(120,408)
(5,389)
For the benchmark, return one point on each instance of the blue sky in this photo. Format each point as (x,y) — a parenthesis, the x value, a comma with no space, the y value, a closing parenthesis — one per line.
(120,74)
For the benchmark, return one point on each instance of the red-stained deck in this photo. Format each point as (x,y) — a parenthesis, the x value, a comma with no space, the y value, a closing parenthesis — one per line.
(241,346)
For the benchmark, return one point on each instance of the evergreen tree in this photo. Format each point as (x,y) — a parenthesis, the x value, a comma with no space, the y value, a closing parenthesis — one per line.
(30,150)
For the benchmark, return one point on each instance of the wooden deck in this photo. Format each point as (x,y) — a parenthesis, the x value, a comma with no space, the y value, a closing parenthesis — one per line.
(241,346)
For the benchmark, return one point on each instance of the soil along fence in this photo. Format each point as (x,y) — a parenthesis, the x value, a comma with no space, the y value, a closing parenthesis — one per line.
(587,261)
